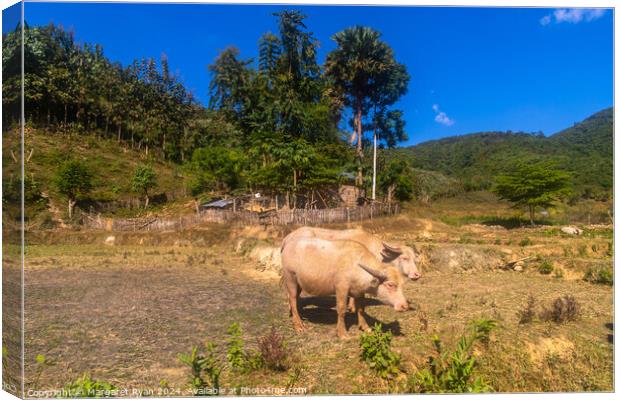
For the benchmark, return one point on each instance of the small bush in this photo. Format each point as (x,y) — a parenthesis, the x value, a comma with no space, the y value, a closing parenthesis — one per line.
(527,314)
(545,268)
(525,242)
(563,309)
(376,352)
(273,350)
(454,372)
(238,358)
(583,250)
(86,387)
(205,369)
(601,274)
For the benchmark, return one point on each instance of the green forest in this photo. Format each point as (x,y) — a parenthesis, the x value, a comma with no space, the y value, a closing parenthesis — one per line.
(280,124)
(585,150)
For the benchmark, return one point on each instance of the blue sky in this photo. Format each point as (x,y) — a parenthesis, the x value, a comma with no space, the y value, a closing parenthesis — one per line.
(472,69)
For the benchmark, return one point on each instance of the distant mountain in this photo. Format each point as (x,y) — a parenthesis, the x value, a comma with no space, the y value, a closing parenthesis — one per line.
(586,150)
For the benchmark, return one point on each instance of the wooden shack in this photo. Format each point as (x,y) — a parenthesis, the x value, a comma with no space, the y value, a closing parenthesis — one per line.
(350,195)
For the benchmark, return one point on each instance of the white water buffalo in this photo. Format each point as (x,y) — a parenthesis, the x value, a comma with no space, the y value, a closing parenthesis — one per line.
(401,256)
(338,267)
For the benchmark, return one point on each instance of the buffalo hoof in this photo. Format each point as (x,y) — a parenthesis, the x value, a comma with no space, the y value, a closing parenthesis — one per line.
(344,337)
(299,328)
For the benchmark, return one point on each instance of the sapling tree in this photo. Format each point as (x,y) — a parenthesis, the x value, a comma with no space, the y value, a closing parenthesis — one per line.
(144,179)
(74,181)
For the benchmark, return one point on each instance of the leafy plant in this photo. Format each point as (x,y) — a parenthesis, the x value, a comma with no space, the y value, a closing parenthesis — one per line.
(42,363)
(545,268)
(526,242)
(601,274)
(205,369)
(454,372)
(273,350)
(84,386)
(238,358)
(376,352)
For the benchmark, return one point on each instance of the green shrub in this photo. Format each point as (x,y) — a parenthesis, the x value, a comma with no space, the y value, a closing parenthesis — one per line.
(86,387)
(238,358)
(205,369)
(525,242)
(375,346)
(454,372)
(545,268)
(602,274)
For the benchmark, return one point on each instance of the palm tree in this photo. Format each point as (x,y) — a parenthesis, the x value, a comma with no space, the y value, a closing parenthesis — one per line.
(364,70)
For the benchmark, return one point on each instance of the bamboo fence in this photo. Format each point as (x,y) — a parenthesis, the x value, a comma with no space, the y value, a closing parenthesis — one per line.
(280,217)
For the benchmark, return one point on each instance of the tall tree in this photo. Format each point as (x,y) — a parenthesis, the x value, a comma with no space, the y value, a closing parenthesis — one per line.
(364,70)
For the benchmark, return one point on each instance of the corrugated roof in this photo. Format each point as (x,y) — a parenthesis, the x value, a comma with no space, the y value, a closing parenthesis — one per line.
(218,203)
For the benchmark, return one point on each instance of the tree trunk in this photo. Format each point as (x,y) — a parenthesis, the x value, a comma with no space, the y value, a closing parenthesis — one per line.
(374,167)
(390,193)
(146,201)
(532,215)
(71,206)
(360,149)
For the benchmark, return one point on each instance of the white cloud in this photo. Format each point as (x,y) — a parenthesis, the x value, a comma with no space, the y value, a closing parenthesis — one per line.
(441,117)
(573,15)
(546,20)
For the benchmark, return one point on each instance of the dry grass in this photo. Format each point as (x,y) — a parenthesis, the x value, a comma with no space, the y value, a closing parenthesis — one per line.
(123,313)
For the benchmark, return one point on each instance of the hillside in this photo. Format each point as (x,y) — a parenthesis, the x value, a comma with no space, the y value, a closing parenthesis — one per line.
(586,150)
(111,164)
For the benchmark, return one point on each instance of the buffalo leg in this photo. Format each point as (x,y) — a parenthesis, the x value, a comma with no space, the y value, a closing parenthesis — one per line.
(341,308)
(361,321)
(351,304)
(293,290)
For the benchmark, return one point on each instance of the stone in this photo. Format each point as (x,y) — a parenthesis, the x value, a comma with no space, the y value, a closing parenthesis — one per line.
(110,240)
(571,230)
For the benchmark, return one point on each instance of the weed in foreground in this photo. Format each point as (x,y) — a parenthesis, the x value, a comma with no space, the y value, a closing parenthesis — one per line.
(377,353)
(273,350)
(526,242)
(205,369)
(601,274)
(84,386)
(563,309)
(238,358)
(454,372)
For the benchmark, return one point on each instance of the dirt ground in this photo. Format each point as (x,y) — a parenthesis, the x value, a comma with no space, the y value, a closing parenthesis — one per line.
(123,313)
